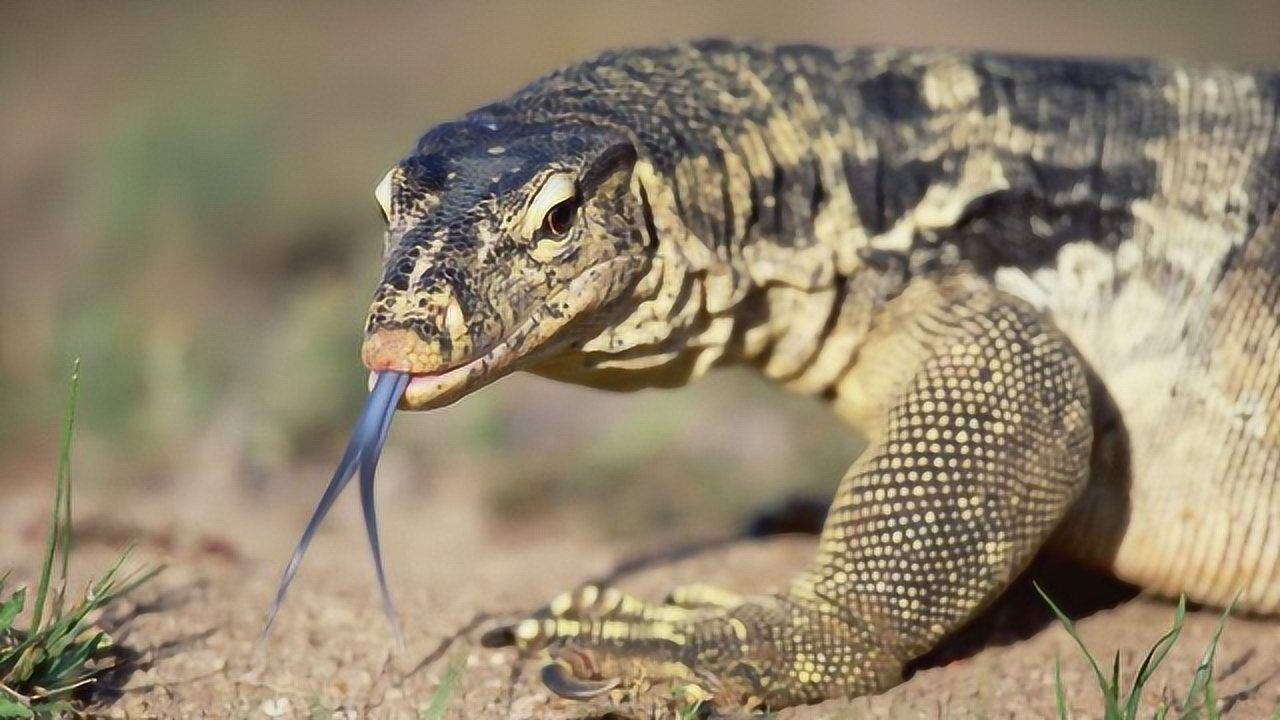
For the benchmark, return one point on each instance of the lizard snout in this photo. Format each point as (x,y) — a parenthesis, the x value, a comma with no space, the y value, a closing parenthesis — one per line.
(431,336)
(402,350)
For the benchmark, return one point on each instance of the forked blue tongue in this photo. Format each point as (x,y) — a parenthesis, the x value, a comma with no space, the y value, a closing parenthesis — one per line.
(362,452)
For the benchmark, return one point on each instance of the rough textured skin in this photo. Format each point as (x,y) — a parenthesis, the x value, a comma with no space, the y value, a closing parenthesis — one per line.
(1046,292)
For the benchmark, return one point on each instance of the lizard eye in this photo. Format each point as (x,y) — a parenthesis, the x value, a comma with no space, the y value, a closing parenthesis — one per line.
(559,219)
(553,209)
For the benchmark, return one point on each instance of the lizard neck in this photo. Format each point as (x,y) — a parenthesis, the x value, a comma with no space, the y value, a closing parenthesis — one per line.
(788,311)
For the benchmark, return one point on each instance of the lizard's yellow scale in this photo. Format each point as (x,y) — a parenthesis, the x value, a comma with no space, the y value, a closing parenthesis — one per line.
(1044,291)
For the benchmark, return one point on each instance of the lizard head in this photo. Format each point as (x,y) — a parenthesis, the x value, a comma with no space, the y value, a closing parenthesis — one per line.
(503,240)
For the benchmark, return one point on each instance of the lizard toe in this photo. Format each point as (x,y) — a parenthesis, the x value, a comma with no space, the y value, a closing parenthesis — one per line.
(763,650)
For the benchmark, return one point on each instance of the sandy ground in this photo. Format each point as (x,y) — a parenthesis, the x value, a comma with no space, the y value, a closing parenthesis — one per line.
(455,573)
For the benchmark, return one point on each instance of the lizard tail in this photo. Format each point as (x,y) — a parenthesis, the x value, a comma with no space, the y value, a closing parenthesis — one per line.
(362,451)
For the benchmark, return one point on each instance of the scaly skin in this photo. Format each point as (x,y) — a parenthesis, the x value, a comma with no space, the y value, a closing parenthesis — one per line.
(1045,291)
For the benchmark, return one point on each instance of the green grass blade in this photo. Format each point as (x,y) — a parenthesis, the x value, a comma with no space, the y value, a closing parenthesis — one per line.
(11,607)
(1155,656)
(1111,706)
(9,657)
(12,709)
(112,586)
(1202,681)
(60,523)
(132,582)
(1115,677)
(24,666)
(444,693)
(64,480)
(1060,693)
(65,634)
(1210,702)
(66,663)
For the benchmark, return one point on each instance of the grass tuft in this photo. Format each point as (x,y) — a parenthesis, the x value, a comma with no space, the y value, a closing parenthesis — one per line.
(1200,702)
(62,649)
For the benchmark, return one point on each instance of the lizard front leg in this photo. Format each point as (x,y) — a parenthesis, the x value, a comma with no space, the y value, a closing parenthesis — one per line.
(982,444)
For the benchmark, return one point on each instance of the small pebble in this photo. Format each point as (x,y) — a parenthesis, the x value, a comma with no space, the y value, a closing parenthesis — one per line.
(277,707)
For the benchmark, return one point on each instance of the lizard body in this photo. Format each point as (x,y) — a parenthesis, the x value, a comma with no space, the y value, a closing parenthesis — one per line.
(1044,290)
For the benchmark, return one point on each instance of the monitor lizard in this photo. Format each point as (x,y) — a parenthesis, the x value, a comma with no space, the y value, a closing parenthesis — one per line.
(1045,291)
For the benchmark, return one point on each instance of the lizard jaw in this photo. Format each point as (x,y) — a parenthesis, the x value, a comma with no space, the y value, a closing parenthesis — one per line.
(531,342)
(431,390)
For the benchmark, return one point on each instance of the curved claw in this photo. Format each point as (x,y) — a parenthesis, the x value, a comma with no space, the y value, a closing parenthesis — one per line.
(560,679)
(499,637)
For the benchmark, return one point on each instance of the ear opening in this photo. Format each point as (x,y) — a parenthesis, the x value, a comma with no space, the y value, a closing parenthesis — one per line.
(619,157)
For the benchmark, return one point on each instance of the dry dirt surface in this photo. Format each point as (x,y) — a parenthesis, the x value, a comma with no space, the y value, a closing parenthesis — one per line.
(455,573)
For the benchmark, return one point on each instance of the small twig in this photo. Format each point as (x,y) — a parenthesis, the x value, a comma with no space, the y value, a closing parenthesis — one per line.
(448,641)
(15,694)
(82,683)
(658,558)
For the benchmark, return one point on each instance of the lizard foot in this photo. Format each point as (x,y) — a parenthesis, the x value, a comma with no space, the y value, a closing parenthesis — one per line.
(772,650)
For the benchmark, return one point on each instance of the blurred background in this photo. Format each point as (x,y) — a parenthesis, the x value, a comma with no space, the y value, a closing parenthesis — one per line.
(185,203)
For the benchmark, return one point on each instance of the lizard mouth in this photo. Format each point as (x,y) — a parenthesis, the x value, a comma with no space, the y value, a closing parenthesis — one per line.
(440,387)
(526,344)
